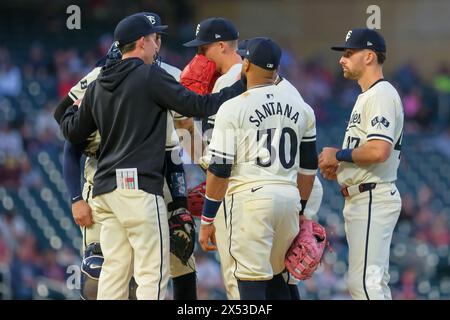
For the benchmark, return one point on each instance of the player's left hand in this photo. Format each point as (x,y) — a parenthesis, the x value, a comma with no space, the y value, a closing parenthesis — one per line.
(328,163)
(82,213)
(207,232)
(327,158)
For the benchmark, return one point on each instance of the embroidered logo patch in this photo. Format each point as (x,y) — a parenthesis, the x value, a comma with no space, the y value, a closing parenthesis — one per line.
(378,121)
(83,84)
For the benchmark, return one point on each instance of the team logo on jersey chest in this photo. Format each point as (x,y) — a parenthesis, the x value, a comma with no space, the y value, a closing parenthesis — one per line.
(379,121)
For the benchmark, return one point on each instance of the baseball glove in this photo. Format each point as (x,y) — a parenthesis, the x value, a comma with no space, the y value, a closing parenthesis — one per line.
(182,234)
(199,75)
(196,198)
(305,253)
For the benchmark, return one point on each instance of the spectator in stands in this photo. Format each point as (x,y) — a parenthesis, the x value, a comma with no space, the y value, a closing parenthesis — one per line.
(11,142)
(51,268)
(13,228)
(5,252)
(407,285)
(25,270)
(30,177)
(10,76)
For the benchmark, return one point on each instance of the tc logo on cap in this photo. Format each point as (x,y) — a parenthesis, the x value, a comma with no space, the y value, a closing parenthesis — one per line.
(197,30)
(270,65)
(151,19)
(349,34)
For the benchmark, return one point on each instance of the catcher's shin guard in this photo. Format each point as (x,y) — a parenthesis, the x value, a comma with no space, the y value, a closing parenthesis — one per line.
(185,287)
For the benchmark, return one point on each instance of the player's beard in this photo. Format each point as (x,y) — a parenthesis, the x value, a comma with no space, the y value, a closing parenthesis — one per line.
(244,79)
(351,75)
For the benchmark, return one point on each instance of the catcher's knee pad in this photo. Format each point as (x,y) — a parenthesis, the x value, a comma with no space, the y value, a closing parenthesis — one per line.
(91,267)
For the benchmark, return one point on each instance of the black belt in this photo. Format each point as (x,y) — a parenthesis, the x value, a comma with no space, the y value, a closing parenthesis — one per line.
(356,189)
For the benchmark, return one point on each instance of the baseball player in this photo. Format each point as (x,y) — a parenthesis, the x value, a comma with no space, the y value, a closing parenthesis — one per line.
(183,276)
(263,158)
(315,199)
(217,40)
(129,99)
(366,166)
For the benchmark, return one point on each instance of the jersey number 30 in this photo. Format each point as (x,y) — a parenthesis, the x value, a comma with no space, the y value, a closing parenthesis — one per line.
(293,147)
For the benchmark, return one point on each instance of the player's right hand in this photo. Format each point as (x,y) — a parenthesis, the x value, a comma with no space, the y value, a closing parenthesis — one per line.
(82,213)
(207,232)
(329,172)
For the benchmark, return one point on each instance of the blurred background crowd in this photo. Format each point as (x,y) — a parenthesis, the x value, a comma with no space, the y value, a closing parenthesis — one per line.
(40,60)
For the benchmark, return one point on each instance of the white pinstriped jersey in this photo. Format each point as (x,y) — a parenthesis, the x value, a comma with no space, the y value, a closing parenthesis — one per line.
(377,114)
(260,132)
(226,80)
(78,91)
(176,73)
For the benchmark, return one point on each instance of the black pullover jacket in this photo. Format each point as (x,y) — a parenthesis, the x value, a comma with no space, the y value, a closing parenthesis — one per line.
(128,105)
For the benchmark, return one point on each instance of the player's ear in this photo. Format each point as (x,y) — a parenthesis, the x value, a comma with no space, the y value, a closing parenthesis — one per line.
(370,57)
(222,46)
(140,42)
(245,65)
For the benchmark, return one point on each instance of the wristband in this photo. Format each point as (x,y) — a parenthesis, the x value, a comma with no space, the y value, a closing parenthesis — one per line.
(344,155)
(210,208)
(76,199)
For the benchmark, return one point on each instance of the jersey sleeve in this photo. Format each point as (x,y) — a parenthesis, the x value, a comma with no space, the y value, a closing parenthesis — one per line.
(380,117)
(310,133)
(308,152)
(223,140)
(174,72)
(172,140)
(177,116)
(78,91)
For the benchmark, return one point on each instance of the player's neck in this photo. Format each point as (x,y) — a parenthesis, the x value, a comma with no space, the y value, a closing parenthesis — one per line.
(229,62)
(370,77)
(132,54)
(259,82)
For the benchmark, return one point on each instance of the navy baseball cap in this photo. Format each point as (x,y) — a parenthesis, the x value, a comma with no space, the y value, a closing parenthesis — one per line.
(213,30)
(156,21)
(242,47)
(363,38)
(263,52)
(135,26)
